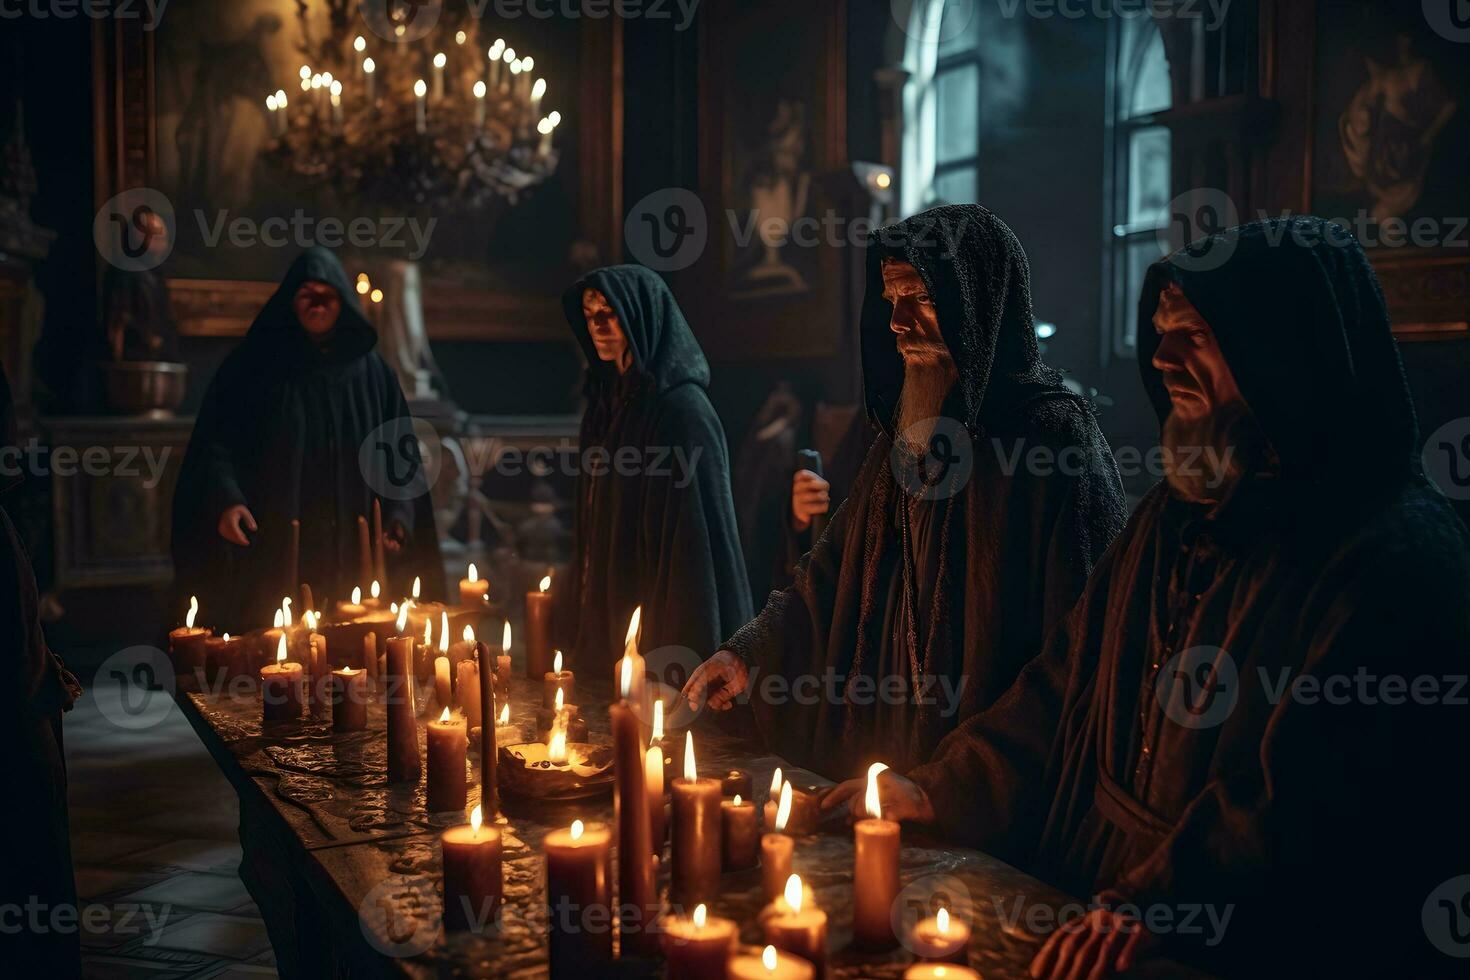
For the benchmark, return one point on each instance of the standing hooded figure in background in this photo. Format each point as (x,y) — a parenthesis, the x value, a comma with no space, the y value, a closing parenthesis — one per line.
(1254,711)
(655,521)
(37,866)
(303,421)
(949,559)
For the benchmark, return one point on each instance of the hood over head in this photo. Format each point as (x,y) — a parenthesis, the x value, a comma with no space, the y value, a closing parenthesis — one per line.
(276,326)
(977,274)
(665,353)
(1300,318)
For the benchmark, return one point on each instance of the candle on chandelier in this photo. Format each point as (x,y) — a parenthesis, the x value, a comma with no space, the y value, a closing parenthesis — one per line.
(796,926)
(403,741)
(473,879)
(578,869)
(447,745)
(538,92)
(421,118)
(637,901)
(507,59)
(538,628)
(696,832)
(336,98)
(697,946)
(479,90)
(523,84)
(875,871)
(777,849)
(941,938)
(493,56)
(369,69)
(440,60)
(771,964)
(280,688)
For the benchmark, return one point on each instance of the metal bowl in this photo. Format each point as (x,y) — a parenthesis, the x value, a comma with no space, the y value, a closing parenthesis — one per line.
(144,387)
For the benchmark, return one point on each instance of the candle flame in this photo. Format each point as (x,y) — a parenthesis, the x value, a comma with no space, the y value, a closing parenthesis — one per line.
(793,892)
(420,89)
(545,582)
(701,914)
(544,126)
(357,595)
(402,617)
(943,921)
(690,772)
(374,589)
(626,676)
(539,89)
(658,721)
(783,808)
(440,60)
(872,801)
(193,611)
(768,958)
(737,799)
(368,66)
(508,56)
(473,575)
(227,637)
(359,43)
(445,716)
(556,746)
(416,586)
(776,782)
(504,714)
(556,663)
(558,699)
(505,637)
(443,632)
(633,625)
(428,631)
(477,817)
(278,622)
(286,611)
(577,828)
(281,650)
(469,634)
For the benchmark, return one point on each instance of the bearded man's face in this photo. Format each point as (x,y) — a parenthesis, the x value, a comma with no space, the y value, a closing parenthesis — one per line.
(928,369)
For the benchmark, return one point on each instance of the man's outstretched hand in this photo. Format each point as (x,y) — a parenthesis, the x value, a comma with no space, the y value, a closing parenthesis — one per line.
(901,799)
(229,525)
(719,680)
(1097,945)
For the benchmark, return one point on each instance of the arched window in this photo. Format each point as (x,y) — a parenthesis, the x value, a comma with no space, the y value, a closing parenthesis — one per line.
(1139,169)
(942,105)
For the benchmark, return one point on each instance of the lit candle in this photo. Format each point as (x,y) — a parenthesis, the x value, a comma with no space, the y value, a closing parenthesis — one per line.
(281,105)
(421,119)
(556,743)
(502,660)
(336,98)
(270,106)
(805,809)
(507,58)
(696,848)
(939,971)
(439,62)
(187,643)
(479,90)
(739,833)
(737,782)
(653,779)
(318,676)
(220,655)
(544,127)
(523,87)
(577,883)
(538,92)
(442,689)
(538,629)
(467,686)
(875,871)
(369,67)
(472,874)
(771,964)
(698,946)
(489,784)
(349,610)
(374,600)
(359,44)
(941,938)
(472,588)
(447,746)
(403,740)
(777,848)
(493,55)
(349,700)
(637,901)
(568,714)
(280,688)
(798,927)
(556,680)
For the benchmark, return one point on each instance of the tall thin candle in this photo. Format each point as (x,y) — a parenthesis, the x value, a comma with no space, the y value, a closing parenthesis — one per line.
(875,871)
(637,902)
(403,739)
(489,787)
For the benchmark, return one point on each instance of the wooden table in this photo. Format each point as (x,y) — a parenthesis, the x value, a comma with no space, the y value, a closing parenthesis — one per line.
(346,870)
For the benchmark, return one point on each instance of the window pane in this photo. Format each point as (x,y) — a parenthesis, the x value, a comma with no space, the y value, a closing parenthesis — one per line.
(1147,90)
(959,29)
(1138,255)
(959,112)
(1148,177)
(956,186)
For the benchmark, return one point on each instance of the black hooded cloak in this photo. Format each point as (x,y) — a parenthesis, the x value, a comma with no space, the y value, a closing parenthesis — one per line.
(996,559)
(281,430)
(661,533)
(37,865)
(1322,821)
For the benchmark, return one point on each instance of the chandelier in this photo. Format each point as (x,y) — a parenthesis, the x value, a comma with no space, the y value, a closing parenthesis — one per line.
(438,122)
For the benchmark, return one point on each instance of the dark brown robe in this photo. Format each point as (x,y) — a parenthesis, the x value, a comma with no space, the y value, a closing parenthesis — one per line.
(1152,748)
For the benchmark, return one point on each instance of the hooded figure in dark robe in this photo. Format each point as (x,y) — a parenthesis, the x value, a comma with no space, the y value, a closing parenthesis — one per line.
(937,578)
(37,865)
(655,521)
(1256,706)
(304,427)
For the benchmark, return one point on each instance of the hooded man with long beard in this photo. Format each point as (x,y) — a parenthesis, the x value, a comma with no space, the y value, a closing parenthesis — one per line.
(937,578)
(1251,716)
